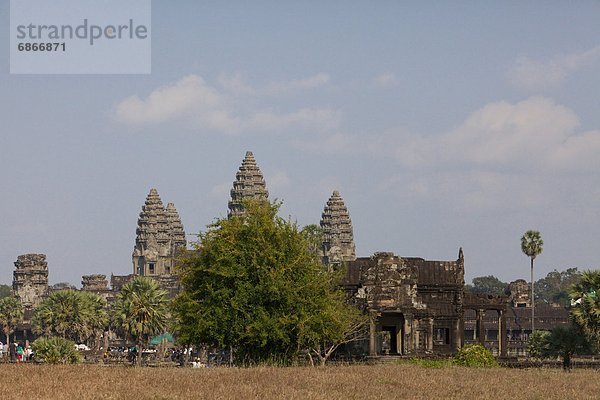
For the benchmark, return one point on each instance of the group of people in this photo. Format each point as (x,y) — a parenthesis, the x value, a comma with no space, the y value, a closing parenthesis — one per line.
(16,351)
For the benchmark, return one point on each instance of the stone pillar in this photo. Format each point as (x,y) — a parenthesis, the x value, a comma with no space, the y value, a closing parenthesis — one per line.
(480,326)
(458,335)
(430,336)
(408,335)
(502,351)
(372,335)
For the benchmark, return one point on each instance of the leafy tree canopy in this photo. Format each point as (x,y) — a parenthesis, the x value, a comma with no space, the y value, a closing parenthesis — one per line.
(554,288)
(562,341)
(487,285)
(74,315)
(585,296)
(314,235)
(11,313)
(56,350)
(5,291)
(253,286)
(532,244)
(141,310)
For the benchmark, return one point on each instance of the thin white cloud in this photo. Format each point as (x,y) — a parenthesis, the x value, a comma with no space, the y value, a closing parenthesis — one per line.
(191,99)
(504,155)
(387,80)
(170,101)
(532,74)
(533,133)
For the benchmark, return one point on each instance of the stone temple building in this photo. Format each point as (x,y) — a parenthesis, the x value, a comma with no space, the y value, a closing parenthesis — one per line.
(417,306)
(159,237)
(249,183)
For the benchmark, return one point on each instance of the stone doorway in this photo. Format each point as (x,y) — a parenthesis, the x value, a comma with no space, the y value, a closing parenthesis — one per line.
(391,329)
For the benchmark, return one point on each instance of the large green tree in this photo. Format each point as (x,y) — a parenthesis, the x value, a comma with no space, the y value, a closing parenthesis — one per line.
(585,312)
(487,285)
(74,315)
(11,313)
(554,288)
(532,245)
(253,286)
(141,311)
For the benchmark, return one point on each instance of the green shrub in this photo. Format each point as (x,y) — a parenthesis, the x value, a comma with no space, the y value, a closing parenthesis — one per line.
(475,355)
(537,344)
(55,350)
(429,363)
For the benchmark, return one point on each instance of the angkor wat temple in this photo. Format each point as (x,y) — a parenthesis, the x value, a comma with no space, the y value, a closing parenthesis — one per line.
(417,306)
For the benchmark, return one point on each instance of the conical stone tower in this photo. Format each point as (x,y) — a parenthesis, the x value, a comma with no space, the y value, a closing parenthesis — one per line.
(249,183)
(176,232)
(338,238)
(159,235)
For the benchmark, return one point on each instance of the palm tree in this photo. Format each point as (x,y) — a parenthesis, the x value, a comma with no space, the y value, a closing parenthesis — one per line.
(585,297)
(74,315)
(531,245)
(11,313)
(141,311)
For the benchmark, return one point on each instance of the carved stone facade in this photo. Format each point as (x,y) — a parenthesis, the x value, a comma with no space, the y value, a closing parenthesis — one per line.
(519,293)
(160,236)
(338,237)
(249,183)
(97,284)
(415,305)
(30,279)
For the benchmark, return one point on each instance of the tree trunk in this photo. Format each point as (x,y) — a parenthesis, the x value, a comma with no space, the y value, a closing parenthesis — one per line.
(138,358)
(9,348)
(532,300)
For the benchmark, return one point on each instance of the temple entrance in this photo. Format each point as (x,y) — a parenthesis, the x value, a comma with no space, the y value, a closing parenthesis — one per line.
(389,343)
(391,333)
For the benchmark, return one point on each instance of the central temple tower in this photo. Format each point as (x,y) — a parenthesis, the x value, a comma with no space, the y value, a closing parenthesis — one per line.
(249,183)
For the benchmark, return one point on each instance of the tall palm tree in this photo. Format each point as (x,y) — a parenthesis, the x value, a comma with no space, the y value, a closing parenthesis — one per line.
(74,315)
(11,313)
(585,297)
(532,245)
(141,311)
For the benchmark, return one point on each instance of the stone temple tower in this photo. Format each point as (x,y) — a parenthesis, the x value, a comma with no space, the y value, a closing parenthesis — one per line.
(30,279)
(249,183)
(160,236)
(338,237)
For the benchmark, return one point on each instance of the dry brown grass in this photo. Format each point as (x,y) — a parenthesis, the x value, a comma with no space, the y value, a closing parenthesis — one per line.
(340,382)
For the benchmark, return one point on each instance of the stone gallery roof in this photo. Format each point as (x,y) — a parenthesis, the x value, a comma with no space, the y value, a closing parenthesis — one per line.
(249,183)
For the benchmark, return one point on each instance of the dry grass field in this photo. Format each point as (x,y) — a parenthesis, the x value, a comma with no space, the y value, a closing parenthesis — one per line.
(340,382)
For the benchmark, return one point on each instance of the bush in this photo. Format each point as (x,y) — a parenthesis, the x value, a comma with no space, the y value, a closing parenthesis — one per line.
(537,344)
(55,350)
(430,363)
(475,355)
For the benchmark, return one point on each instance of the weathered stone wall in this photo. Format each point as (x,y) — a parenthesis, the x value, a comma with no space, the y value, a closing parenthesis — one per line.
(30,279)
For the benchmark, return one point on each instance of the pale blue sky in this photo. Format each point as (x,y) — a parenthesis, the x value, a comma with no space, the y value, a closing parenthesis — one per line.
(443,125)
